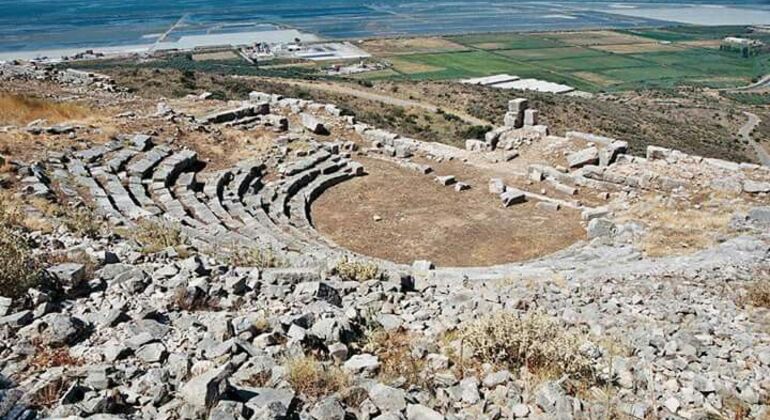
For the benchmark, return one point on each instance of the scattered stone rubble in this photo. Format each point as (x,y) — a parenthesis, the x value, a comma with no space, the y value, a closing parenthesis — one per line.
(180,334)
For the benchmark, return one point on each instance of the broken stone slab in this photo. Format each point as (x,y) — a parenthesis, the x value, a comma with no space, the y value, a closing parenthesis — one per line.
(473,145)
(609,153)
(422,265)
(313,124)
(512,196)
(461,186)
(277,402)
(564,189)
(5,305)
(513,120)
(531,117)
(56,330)
(759,215)
(317,290)
(69,274)
(548,206)
(496,186)
(362,363)
(588,156)
(388,399)
(600,227)
(293,275)
(595,213)
(446,180)
(518,105)
(18,319)
(421,412)
(756,187)
(205,390)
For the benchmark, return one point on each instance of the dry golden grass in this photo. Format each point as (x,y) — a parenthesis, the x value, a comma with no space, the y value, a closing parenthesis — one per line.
(20,269)
(680,229)
(352,270)
(537,342)
(312,379)
(18,110)
(394,350)
(155,237)
(255,257)
(757,293)
(46,357)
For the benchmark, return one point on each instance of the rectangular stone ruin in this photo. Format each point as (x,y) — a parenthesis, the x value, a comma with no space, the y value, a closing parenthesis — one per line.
(446,180)
(588,156)
(473,145)
(313,124)
(515,115)
(496,186)
(512,196)
(548,206)
(531,117)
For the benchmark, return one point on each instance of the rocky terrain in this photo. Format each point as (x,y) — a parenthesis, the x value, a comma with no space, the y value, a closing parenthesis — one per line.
(158,282)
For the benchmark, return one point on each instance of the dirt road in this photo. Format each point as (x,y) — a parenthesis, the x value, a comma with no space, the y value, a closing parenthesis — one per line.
(745,133)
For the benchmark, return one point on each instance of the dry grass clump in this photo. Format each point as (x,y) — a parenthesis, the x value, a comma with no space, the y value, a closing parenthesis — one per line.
(757,293)
(191,300)
(16,109)
(155,237)
(394,350)
(50,394)
(79,220)
(356,270)
(19,268)
(537,342)
(312,379)
(255,257)
(11,209)
(46,357)
(677,231)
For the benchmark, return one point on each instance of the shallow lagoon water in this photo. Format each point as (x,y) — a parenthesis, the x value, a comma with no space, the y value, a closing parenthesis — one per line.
(34,25)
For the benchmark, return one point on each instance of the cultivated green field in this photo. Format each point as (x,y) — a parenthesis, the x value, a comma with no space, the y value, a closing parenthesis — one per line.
(594,60)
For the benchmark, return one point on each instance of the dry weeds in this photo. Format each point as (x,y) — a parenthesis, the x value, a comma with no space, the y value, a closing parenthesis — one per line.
(537,342)
(352,270)
(680,230)
(21,110)
(312,379)
(19,268)
(155,237)
(394,350)
(255,257)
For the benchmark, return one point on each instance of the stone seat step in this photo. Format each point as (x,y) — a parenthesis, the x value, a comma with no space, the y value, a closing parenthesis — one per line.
(293,168)
(120,159)
(119,195)
(171,166)
(148,161)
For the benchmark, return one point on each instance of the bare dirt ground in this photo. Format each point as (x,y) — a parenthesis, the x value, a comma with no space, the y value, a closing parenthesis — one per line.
(421,219)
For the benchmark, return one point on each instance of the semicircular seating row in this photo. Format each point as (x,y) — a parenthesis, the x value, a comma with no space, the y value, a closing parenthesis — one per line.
(132,179)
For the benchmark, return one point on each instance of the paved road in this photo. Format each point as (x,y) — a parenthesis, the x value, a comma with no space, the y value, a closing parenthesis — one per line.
(385,99)
(745,132)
